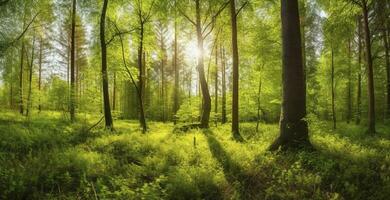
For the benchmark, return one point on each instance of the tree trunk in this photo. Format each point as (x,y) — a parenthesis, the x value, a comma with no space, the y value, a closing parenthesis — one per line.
(141,75)
(387,58)
(216,83)
(30,78)
(206,107)
(333,90)
(163,53)
(293,126)
(72,64)
(235,103)
(370,73)
(258,105)
(224,119)
(349,97)
(175,68)
(359,92)
(40,75)
(21,105)
(114,93)
(106,94)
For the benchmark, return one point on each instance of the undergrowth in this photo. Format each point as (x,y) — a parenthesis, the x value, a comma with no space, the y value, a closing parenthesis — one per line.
(45,157)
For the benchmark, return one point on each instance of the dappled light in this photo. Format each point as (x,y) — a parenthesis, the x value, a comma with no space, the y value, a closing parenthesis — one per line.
(195,99)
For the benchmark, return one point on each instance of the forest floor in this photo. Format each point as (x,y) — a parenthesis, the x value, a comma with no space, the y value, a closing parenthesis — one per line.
(45,157)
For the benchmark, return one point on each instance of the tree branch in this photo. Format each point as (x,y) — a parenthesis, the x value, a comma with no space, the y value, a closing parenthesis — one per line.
(243,5)
(124,62)
(25,29)
(186,16)
(213,19)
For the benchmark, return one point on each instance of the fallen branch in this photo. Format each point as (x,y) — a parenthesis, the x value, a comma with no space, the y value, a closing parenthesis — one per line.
(101,119)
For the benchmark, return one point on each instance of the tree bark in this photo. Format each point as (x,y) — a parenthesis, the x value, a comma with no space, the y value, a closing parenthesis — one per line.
(141,75)
(206,107)
(293,126)
(72,64)
(235,103)
(370,72)
(106,94)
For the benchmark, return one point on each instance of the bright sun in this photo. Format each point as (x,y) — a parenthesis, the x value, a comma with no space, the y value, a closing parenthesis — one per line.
(191,50)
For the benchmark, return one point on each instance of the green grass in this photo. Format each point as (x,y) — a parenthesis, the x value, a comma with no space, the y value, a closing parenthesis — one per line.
(45,157)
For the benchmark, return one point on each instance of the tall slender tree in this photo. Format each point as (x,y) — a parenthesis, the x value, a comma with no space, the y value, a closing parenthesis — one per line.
(103,44)
(203,29)
(359,89)
(332,76)
(72,64)
(223,60)
(175,68)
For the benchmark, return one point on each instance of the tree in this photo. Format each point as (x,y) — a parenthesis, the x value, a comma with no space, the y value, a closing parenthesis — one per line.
(143,18)
(363,4)
(332,76)
(235,103)
(30,70)
(223,60)
(72,64)
(203,29)
(106,95)
(359,89)
(293,125)
(175,68)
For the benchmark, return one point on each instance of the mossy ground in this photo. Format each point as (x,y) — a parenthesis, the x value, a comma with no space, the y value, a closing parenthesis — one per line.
(45,157)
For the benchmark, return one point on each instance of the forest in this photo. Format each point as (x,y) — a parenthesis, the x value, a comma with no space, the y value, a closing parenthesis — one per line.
(195,99)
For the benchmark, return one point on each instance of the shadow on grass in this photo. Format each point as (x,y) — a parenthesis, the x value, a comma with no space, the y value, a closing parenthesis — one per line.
(245,184)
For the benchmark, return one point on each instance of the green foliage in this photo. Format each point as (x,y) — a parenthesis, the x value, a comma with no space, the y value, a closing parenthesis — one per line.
(47,158)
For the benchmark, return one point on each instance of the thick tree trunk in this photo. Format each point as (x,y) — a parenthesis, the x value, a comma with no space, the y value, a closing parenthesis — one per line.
(206,107)
(72,64)
(106,94)
(370,72)
(333,90)
(293,126)
(224,119)
(21,105)
(235,103)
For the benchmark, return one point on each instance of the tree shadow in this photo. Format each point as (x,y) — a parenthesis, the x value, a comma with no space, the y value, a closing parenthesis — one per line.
(246,184)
